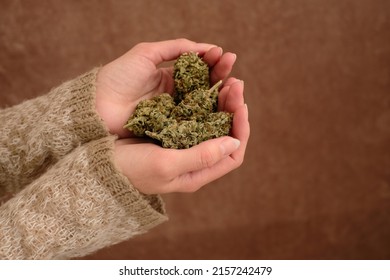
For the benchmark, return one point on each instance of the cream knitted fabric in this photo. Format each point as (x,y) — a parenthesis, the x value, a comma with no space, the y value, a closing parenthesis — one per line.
(78,206)
(38,132)
(56,157)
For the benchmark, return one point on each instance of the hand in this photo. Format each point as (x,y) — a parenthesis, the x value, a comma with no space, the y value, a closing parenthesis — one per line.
(155,170)
(135,76)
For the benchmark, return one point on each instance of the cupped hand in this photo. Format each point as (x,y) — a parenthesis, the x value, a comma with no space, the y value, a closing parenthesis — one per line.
(136,75)
(155,170)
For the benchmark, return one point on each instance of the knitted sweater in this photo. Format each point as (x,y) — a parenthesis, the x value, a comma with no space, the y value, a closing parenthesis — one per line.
(68,197)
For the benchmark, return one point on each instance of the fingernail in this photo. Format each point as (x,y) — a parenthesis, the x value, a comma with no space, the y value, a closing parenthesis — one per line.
(235,57)
(229,145)
(246,111)
(241,82)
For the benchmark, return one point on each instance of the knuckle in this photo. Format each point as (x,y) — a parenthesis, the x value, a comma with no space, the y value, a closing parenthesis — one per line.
(190,187)
(238,161)
(182,40)
(164,170)
(141,47)
(161,168)
(207,159)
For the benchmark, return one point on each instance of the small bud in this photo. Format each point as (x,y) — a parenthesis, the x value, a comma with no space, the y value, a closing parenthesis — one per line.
(190,72)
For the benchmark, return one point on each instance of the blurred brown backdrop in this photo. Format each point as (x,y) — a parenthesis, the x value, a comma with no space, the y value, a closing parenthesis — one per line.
(316,180)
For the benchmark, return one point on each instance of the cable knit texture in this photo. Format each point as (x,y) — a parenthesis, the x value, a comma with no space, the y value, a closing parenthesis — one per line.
(70,200)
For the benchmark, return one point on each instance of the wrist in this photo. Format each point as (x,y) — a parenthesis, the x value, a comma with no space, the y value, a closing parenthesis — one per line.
(111,110)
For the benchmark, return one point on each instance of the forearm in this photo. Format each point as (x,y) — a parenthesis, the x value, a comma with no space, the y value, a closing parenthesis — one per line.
(81,204)
(37,133)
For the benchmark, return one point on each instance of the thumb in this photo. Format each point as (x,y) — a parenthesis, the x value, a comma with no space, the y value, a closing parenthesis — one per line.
(206,154)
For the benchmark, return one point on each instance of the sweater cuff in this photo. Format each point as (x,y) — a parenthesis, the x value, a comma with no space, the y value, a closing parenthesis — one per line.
(81,104)
(147,210)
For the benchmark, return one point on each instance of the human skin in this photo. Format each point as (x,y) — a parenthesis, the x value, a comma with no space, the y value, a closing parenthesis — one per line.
(135,76)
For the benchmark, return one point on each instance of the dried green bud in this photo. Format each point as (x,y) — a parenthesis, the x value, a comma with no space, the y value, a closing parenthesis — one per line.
(197,104)
(190,72)
(188,133)
(151,115)
(192,119)
(218,124)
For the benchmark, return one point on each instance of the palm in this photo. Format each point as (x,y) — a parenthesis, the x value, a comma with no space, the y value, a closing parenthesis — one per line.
(138,78)
(125,82)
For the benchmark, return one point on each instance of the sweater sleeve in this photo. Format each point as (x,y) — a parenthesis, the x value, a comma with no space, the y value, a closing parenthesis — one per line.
(38,132)
(81,204)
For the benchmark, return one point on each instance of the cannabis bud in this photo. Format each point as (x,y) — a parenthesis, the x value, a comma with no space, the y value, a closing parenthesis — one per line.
(190,116)
(190,73)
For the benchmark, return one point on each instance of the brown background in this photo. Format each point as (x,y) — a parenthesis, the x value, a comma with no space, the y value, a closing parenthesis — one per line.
(316,179)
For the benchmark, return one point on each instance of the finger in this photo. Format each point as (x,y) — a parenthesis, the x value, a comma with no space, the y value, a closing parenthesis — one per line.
(235,98)
(230,81)
(192,181)
(212,56)
(223,68)
(241,131)
(232,99)
(223,94)
(159,52)
(205,155)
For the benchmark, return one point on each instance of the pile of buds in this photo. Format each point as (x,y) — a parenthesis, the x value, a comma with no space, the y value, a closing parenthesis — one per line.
(187,118)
